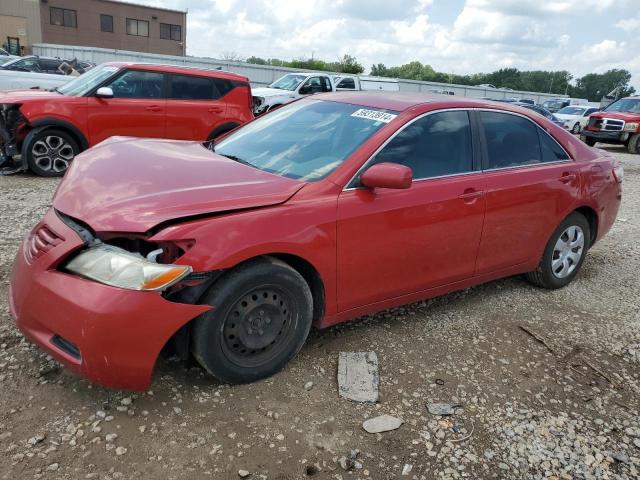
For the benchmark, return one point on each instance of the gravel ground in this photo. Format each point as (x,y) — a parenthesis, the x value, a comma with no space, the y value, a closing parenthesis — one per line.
(570,411)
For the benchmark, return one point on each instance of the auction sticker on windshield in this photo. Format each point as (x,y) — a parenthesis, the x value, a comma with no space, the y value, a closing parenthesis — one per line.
(374,115)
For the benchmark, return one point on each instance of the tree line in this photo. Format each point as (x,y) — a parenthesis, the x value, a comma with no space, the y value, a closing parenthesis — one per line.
(591,86)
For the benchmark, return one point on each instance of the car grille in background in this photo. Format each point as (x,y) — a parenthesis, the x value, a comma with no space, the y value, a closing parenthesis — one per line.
(606,124)
(40,241)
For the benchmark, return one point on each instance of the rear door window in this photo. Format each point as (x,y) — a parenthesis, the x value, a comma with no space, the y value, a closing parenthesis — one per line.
(189,87)
(513,141)
(433,146)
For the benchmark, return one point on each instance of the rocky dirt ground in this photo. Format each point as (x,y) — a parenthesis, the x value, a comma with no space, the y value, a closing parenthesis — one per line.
(570,411)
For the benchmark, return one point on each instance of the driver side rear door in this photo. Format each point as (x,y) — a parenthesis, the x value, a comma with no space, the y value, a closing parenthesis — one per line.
(137,109)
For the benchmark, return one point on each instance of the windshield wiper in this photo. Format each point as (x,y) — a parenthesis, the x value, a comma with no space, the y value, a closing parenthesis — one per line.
(55,89)
(236,159)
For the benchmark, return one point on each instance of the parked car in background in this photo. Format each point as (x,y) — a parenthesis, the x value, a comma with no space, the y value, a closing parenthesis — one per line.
(555,104)
(4,56)
(39,72)
(52,65)
(361,82)
(44,130)
(618,124)
(542,111)
(486,85)
(575,117)
(231,256)
(289,88)
(441,92)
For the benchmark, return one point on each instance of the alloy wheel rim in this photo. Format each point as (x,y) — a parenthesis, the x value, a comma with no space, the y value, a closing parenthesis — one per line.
(567,251)
(258,326)
(52,154)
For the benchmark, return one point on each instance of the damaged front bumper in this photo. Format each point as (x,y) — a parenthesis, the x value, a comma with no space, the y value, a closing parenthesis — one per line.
(109,335)
(12,131)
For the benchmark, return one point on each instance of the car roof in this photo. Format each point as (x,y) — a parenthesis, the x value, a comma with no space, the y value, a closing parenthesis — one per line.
(210,72)
(401,101)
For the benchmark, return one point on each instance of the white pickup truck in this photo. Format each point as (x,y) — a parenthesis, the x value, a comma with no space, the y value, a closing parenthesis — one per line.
(295,85)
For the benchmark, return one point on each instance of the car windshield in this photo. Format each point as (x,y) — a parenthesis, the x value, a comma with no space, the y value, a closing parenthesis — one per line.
(571,111)
(305,140)
(87,81)
(631,105)
(553,104)
(288,82)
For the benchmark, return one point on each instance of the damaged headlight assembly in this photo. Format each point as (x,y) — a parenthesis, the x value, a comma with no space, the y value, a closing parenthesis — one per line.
(117,267)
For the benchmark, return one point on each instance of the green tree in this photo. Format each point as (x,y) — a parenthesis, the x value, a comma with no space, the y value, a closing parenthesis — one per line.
(594,86)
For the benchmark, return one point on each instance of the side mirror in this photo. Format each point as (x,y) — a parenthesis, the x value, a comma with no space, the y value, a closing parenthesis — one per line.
(387,175)
(305,90)
(104,92)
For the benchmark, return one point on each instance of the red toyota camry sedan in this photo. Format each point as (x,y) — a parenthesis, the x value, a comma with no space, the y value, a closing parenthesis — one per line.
(326,209)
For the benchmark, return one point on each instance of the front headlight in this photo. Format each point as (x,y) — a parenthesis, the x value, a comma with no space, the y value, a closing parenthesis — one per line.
(631,126)
(117,267)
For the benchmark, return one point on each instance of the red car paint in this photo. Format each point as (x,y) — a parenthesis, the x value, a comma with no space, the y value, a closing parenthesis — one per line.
(91,119)
(372,249)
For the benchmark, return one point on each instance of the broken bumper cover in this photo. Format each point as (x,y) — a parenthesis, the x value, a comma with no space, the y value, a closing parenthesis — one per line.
(109,335)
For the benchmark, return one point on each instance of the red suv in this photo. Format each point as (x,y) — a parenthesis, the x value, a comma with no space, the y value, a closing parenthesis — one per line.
(47,129)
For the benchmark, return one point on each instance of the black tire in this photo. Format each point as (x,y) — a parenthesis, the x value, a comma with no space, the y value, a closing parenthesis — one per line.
(589,141)
(634,144)
(544,276)
(262,316)
(576,128)
(58,148)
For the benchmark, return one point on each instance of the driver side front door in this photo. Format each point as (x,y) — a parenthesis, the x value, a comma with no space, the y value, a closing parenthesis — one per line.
(393,243)
(137,109)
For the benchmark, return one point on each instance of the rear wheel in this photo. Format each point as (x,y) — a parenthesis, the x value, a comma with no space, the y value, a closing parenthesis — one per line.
(564,253)
(262,316)
(634,144)
(50,152)
(576,128)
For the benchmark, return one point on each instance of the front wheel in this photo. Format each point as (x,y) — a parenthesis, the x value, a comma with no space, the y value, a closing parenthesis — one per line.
(50,152)
(634,144)
(576,128)
(262,315)
(564,253)
(589,141)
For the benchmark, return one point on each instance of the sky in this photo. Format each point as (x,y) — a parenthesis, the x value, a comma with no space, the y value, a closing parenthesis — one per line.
(456,36)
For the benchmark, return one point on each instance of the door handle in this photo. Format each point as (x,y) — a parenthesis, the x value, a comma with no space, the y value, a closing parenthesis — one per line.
(215,110)
(153,108)
(567,177)
(470,195)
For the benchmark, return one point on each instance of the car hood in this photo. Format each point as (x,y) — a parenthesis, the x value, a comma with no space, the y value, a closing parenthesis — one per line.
(132,185)
(627,117)
(271,92)
(21,96)
(564,116)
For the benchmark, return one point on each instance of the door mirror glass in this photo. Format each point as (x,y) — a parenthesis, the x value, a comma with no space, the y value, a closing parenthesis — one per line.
(104,92)
(387,175)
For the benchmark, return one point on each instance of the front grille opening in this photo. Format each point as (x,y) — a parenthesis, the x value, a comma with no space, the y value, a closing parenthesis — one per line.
(66,346)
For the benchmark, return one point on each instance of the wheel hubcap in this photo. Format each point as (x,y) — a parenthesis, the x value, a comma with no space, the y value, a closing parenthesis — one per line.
(567,252)
(257,325)
(52,154)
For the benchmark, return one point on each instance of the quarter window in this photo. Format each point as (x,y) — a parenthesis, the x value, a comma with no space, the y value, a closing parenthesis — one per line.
(138,28)
(551,151)
(188,87)
(106,23)
(63,17)
(170,32)
(138,84)
(432,146)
